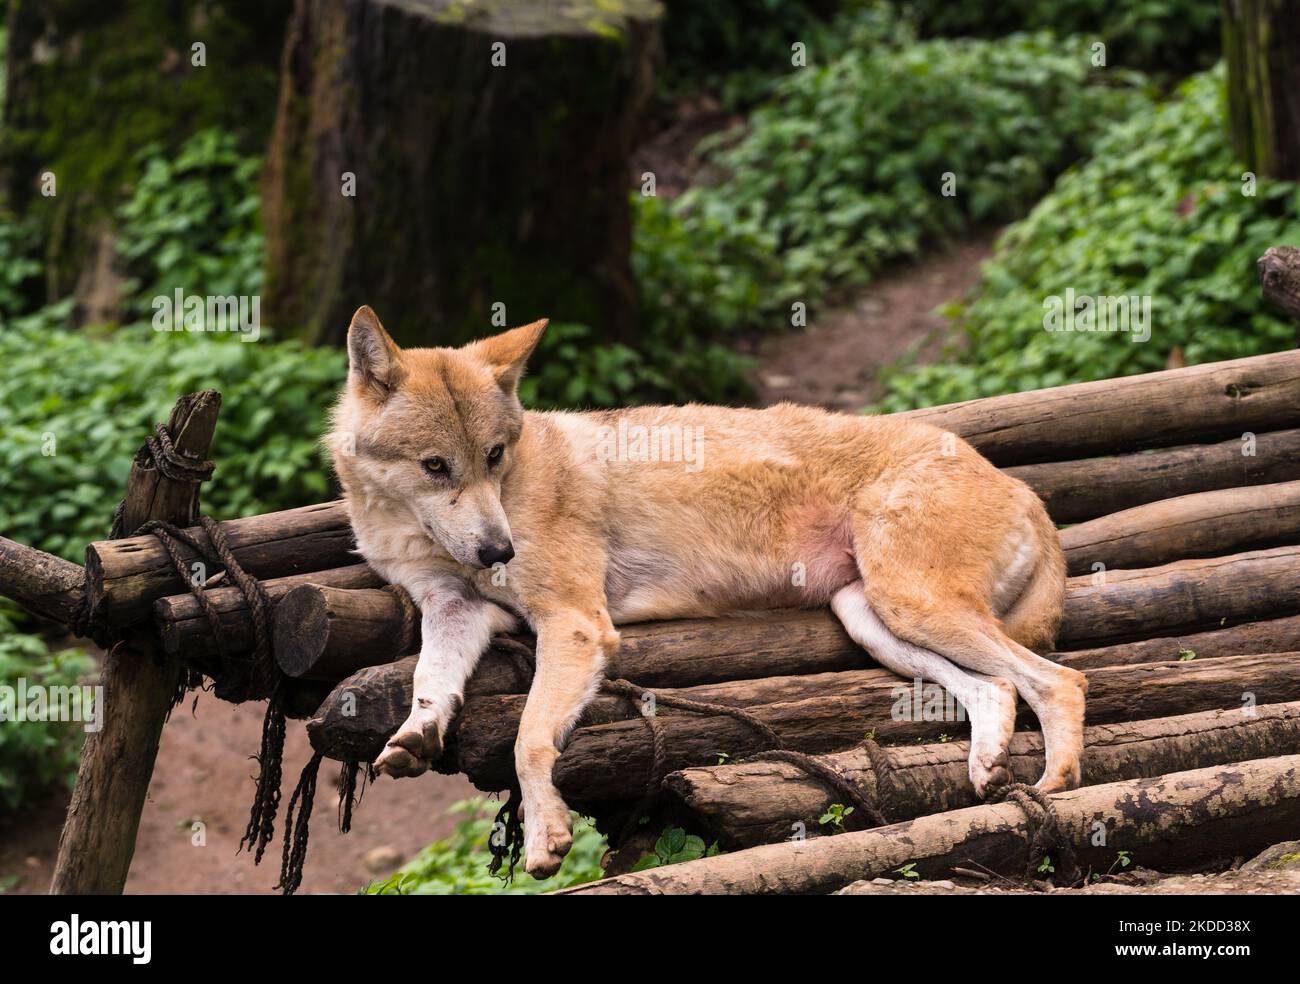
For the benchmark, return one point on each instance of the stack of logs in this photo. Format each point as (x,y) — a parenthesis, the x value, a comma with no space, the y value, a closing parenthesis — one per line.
(1178,494)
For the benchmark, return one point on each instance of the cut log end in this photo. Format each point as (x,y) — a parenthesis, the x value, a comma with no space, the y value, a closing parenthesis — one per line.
(302,628)
(1279,275)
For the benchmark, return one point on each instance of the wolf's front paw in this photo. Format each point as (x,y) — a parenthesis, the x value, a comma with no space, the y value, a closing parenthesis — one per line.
(410,752)
(547,839)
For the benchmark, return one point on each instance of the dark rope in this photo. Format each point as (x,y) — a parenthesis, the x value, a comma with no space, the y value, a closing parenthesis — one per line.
(828,776)
(174,465)
(294,855)
(506,842)
(1045,833)
(524,662)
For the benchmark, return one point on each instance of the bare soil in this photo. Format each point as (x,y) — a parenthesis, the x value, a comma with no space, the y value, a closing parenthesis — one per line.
(836,362)
(204,774)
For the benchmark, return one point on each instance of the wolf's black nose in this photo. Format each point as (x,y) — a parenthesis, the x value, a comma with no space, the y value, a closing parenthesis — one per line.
(496,553)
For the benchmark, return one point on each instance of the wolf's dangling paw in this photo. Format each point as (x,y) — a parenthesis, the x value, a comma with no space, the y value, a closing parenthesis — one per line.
(410,752)
(547,839)
(993,721)
(989,772)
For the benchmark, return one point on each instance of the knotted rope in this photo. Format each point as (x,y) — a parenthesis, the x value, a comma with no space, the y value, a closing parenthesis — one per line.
(1045,833)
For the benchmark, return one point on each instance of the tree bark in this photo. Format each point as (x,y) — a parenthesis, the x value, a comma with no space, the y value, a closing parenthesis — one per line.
(98,837)
(1187,595)
(125,577)
(41,582)
(1274,635)
(1261,44)
(1178,819)
(1214,401)
(472,184)
(1074,491)
(764,802)
(183,629)
(1206,524)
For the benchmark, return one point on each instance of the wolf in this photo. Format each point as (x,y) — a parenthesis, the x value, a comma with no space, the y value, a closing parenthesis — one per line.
(939,565)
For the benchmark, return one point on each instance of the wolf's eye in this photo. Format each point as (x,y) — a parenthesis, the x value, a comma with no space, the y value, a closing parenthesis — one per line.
(494,455)
(435,466)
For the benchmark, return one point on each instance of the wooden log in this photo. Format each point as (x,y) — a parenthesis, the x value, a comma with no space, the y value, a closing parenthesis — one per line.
(327,633)
(764,802)
(1204,524)
(612,761)
(1174,820)
(125,577)
(1274,635)
(41,582)
(1074,491)
(1213,401)
(610,755)
(1279,275)
(98,836)
(183,629)
(1186,595)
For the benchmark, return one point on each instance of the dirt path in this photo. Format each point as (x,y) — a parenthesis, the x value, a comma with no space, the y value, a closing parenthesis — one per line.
(835,361)
(204,773)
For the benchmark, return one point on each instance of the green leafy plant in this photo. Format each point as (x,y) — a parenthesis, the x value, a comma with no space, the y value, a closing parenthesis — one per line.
(674,846)
(835,816)
(457,865)
(77,405)
(908,870)
(192,221)
(1159,211)
(35,755)
(846,168)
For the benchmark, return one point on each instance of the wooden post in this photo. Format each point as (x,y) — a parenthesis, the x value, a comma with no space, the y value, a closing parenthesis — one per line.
(98,837)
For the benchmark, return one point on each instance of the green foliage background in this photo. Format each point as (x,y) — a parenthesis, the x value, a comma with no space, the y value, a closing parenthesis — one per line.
(36,754)
(1158,210)
(457,865)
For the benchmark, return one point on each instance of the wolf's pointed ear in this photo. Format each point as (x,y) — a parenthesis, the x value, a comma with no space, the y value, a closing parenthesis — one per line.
(372,355)
(508,352)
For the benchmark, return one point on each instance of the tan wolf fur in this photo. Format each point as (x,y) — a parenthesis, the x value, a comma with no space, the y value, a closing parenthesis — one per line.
(941,566)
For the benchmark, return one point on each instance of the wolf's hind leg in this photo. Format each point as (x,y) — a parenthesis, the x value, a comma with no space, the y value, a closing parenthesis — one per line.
(572,647)
(975,641)
(456,625)
(990,701)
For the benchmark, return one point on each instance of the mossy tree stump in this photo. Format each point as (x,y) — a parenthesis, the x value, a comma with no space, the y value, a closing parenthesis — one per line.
(436,159)
(88,86)
(1261,44)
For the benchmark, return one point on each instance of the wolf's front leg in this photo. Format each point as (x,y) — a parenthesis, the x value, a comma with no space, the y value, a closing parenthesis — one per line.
(572,646)
(456,625)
